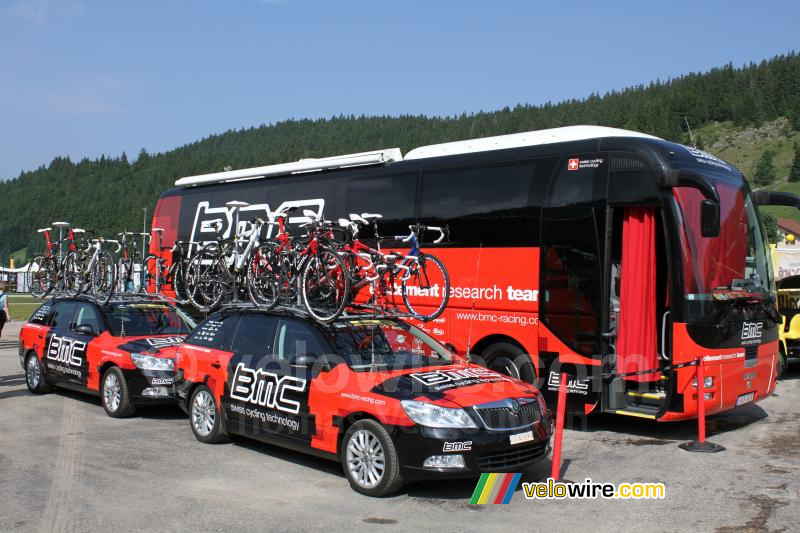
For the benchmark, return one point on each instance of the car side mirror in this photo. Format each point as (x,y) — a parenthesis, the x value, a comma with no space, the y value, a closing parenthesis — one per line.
(451,347)
(304,360)
(709,218)
(86,329)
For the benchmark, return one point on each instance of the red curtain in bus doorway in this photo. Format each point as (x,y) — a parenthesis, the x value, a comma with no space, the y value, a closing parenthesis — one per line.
(637,337)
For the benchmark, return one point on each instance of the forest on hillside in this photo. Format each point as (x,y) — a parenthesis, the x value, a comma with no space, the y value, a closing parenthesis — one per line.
(108,194)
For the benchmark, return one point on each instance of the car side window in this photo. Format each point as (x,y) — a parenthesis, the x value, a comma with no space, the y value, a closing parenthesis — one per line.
(215,332)
(254,336)
(63,314)
(89,316)
(42,315)
(295,338)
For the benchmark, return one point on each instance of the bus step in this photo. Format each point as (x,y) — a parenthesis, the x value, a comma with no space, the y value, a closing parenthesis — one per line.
(639,411)
(654,398)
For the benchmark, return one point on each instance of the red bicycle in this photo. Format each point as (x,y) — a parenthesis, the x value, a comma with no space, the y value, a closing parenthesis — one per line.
(309,270)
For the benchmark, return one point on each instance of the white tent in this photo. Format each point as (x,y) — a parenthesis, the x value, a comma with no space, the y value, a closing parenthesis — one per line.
(16,275)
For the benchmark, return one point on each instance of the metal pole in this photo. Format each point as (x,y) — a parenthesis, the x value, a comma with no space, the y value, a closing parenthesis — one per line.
(555,471)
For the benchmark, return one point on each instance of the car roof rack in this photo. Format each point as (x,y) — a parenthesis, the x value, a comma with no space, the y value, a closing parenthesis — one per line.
(351,313)
(116,298)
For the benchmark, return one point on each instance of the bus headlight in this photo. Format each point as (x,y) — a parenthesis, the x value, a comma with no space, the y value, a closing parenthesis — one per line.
(148,362)
(432,416)
(708,382)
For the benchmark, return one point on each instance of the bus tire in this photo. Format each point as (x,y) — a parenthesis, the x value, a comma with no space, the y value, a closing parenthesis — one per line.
(509,359)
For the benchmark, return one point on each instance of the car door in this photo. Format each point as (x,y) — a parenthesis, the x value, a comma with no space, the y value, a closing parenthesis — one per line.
(249,399)
(86,326)
(293,339)
(64,356)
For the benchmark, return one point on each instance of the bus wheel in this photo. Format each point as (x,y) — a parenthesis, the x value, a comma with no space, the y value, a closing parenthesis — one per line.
(509,359)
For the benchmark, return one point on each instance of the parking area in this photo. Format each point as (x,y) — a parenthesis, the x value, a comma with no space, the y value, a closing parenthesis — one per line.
(65,465)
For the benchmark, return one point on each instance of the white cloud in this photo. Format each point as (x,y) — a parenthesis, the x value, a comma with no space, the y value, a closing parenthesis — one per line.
(38,11)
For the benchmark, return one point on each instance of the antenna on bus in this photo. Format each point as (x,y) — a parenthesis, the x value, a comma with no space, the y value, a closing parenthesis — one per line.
(472,315)
(688,127)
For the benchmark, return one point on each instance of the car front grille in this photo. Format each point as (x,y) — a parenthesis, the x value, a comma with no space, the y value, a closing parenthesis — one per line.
(512,457)
(509,414)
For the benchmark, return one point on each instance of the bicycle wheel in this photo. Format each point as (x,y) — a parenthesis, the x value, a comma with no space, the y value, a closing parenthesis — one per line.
(325,285)
(103,277)
(263,278)
(205,281)
(72,270)
(37,278)
(123,275)
(178,278)
(428,286)
(150,282)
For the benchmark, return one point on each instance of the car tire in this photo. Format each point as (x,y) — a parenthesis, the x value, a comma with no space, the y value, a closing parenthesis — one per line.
(365,447)
(205,418)
(34,376)
(114,394)
(509,359)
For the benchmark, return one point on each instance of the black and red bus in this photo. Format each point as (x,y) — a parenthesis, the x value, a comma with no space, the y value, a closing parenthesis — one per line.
(620,256)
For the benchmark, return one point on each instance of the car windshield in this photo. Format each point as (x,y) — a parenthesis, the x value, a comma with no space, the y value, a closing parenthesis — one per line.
(735,264)
(137,319)
(386,344)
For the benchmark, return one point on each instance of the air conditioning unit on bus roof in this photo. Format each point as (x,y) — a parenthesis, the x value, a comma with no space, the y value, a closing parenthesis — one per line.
(379,157)
(376,157)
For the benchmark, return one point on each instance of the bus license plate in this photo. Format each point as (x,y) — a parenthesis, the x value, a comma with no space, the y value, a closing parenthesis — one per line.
(521,437)
(745,398)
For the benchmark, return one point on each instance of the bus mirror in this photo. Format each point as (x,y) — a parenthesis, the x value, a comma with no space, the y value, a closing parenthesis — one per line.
(709,218)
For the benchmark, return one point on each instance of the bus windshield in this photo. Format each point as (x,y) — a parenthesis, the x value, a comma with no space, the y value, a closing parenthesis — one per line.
(733,265)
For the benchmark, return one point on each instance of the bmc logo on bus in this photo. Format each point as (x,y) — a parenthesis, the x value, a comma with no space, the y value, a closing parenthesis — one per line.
(751,330)
(207,219)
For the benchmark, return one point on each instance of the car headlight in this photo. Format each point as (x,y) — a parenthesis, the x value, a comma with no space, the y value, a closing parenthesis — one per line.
(148,362)
(433,416)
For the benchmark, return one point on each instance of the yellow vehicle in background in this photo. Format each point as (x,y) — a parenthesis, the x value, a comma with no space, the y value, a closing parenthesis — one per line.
(786,263)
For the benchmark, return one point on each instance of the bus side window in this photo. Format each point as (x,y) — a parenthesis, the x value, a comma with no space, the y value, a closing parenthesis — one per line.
(482,204)
(394,197)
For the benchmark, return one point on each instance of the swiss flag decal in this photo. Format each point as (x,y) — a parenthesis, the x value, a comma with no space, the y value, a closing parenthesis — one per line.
(573,164)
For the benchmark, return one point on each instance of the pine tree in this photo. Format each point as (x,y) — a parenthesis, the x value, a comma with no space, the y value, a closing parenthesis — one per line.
(794,171)
(765,169)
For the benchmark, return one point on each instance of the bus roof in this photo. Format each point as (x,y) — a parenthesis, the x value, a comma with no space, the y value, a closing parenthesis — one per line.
(391,155)
(518,140)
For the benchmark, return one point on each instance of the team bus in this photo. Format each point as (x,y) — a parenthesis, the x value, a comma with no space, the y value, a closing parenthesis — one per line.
(614,254)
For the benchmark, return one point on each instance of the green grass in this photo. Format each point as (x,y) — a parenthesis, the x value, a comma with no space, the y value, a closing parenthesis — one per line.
(744,146)
(22,306)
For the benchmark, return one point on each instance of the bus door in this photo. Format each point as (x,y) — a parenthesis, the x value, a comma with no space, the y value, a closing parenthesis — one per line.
(636,312)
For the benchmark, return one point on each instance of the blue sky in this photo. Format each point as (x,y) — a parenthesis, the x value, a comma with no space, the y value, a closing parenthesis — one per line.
(91,77)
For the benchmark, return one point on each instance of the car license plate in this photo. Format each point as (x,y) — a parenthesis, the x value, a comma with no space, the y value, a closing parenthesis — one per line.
(745,398)
(521,437)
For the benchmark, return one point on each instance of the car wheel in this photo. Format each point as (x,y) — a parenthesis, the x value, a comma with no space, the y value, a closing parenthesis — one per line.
(34,377)
(208,424)
(509,359)
(370,460)
(114,394)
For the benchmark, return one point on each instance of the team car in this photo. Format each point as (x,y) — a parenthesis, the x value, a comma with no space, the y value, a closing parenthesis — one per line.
(378,395)
(121,351)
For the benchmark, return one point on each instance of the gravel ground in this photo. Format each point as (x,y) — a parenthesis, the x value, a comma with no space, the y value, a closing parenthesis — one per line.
(66,466)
